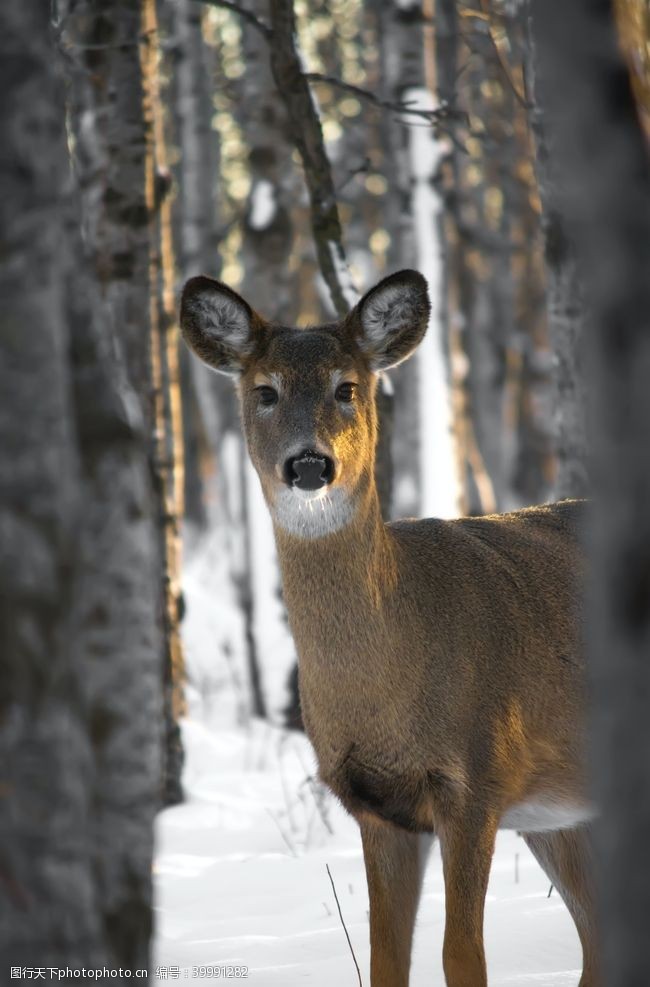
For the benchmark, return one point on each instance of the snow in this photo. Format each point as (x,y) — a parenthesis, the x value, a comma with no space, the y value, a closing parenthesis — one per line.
(240,878)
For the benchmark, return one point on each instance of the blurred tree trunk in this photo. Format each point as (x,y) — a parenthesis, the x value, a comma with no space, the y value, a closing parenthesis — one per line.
(80,620)
(245,586)
(565,308)
(197,179)
(269,281)
(122,235)
(440,476)
(603,192)
(498,344)
(168,421)
(534,461)
(399,42)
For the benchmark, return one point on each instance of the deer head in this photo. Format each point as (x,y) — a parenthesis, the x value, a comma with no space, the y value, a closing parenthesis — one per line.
(308,395)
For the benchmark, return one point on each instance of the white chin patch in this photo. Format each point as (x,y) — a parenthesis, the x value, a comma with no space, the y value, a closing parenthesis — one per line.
(312,513)
(309,496)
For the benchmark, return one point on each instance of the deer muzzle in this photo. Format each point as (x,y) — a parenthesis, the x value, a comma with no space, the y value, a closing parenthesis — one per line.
(308,470)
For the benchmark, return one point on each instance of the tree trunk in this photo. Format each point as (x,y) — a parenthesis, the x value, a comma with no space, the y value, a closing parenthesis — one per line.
(400,53)
(168,419)
(81,694)
(197,176)
(565,308)
(601,160)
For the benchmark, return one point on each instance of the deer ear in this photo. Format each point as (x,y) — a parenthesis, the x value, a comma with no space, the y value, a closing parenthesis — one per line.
(217,324)
(392,318)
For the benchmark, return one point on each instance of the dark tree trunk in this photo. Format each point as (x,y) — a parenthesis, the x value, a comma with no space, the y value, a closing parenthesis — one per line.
(268,238)
(80,615)
(47,756)
(197,176)
(246,592)
(604,193)
(565,307)
(110,154)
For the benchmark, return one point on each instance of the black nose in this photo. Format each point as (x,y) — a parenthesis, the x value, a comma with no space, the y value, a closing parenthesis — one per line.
(308,470)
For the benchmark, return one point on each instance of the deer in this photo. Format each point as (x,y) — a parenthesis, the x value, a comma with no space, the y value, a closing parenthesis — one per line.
(441,672)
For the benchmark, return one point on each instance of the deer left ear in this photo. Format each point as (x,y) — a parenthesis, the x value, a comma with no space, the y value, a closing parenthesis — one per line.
(218,324)
(392,319)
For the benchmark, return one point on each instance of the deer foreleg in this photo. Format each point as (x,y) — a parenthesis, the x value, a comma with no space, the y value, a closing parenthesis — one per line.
(466,845)
(394,860)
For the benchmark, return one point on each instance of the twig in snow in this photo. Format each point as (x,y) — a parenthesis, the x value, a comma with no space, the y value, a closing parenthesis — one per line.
(283,834)
(336,897)
(317,794)
(283,781)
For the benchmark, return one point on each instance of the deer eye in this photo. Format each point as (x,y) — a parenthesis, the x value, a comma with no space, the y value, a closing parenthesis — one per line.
(345,392)
(268,396)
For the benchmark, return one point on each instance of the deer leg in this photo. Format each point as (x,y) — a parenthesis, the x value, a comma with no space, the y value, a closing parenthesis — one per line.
(567,858)
(394,860)
(467,845)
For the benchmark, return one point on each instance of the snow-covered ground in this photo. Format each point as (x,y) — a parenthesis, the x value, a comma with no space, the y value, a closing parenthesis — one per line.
(240,879)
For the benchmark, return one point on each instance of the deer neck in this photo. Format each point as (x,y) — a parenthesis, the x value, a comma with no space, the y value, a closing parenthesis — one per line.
(342,577)
(339,591)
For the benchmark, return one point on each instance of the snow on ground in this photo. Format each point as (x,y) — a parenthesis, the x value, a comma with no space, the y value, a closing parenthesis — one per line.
(240,879)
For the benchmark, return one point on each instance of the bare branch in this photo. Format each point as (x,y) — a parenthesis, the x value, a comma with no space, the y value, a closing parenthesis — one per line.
(484,17)
(431,116)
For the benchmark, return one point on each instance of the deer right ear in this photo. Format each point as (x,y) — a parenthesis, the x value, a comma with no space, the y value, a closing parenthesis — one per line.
(392,319)
(217,324)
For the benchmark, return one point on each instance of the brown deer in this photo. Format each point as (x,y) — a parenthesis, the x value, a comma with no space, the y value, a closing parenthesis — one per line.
(441,676)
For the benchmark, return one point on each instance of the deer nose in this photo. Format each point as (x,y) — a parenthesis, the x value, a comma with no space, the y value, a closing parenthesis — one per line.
(308,470)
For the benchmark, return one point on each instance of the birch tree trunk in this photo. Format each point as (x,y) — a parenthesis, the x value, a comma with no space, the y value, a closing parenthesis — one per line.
(603,181)
(401,67)
(80,620)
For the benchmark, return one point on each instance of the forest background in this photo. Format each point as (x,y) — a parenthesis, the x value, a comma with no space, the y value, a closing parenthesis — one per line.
(297,151)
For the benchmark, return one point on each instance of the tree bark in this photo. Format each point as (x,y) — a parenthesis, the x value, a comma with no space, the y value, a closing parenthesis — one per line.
(196,205)
(604,195)
(268,226)
(79,620)
(168,419)
(564,305)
